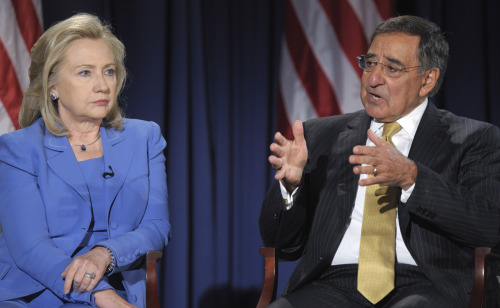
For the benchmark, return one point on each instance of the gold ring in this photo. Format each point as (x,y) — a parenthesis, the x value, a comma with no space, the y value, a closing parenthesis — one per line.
(374,171)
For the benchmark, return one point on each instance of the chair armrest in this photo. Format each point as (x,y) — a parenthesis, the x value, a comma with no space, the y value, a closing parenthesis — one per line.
(152,300)
(270,277)
(484,257)
(477,294)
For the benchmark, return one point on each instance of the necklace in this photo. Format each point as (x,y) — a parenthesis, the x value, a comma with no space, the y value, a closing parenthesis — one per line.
(83,146)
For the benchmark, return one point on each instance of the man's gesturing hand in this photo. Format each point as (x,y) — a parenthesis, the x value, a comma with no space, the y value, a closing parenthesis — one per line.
(289,157)
(393,168)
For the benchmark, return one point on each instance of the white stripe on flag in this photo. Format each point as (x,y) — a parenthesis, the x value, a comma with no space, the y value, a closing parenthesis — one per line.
(5,122)
(13,41)
(329,53)
(37,4)
(368,15)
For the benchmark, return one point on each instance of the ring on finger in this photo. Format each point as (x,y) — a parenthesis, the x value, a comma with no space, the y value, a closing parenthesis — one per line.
(90,275)
(374,171)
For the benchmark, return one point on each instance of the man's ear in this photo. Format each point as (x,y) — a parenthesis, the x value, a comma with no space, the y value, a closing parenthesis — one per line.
(429,81)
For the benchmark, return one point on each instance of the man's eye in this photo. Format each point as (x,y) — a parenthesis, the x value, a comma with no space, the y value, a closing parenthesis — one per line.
(392,68)
(370,63)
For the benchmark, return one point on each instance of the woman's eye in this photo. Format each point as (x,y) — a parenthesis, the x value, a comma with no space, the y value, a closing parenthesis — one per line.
(84,73)
(109,72)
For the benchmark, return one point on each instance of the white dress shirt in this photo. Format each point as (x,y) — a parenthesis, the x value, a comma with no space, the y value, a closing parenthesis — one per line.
(348,250)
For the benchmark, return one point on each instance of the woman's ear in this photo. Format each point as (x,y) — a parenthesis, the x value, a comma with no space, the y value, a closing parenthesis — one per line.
(53,93)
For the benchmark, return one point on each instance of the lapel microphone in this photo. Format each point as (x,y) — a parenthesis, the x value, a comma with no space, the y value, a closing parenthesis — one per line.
(108,175)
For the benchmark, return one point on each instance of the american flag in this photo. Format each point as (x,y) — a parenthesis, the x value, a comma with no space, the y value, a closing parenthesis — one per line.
(20,27)
(319,72)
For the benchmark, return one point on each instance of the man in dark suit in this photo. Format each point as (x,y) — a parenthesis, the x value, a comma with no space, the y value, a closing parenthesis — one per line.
(442,170)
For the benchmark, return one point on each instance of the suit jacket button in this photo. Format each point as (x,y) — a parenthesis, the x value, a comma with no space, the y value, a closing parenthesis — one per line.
(113,225)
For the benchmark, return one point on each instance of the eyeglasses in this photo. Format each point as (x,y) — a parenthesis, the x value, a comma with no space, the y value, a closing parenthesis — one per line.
(390,70)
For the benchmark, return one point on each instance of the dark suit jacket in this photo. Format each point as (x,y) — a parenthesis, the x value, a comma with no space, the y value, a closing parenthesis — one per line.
(453,208)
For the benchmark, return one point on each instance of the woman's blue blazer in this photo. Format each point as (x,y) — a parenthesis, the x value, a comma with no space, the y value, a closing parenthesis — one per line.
(45,207)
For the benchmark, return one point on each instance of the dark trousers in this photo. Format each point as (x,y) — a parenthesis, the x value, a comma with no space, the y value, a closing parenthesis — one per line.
(337,288)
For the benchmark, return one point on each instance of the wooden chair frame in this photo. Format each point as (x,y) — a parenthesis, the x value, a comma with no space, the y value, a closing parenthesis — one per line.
(152,299)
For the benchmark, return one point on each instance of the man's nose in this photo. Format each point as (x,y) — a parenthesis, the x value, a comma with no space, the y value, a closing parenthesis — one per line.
(376,76)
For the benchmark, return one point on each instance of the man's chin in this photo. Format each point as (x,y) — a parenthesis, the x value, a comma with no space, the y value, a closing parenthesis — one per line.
(380,115)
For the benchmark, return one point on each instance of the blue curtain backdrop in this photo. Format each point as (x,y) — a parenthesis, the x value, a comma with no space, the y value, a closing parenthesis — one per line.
(472,29)
(207,72)
(221,81)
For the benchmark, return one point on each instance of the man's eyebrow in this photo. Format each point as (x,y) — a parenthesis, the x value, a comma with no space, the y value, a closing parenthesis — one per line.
(395,61)
(390,59)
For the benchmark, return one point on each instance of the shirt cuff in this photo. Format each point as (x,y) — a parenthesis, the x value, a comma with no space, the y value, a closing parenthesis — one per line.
(287,197)
(405,194)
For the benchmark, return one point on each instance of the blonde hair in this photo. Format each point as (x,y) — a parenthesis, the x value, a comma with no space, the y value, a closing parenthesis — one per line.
(47,56)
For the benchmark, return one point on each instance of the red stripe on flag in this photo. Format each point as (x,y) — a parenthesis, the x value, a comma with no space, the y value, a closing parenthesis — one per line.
(308,69)
(283,123)
(348,28)
(12,95)
(28,22)
(385,8)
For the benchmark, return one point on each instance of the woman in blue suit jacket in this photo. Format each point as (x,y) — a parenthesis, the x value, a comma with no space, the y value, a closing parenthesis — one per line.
(83,190)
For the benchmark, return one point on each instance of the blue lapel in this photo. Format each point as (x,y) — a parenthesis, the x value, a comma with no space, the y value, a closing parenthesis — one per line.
(119,157)
(62,161)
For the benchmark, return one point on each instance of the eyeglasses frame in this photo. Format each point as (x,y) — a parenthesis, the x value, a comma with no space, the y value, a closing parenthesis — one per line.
(384,67)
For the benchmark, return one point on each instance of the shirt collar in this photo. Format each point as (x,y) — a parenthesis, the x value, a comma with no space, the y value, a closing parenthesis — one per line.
(409,122)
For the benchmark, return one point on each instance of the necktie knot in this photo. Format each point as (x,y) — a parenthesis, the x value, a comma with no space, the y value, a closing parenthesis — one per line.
(391,129)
